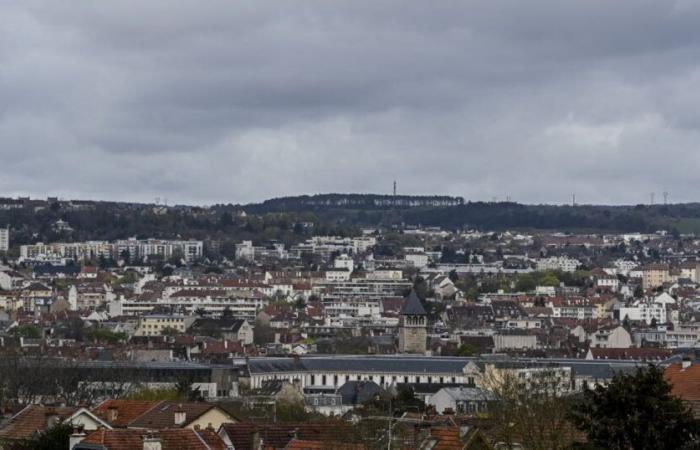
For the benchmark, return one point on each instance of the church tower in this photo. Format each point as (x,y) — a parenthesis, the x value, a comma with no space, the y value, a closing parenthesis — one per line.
(413,323)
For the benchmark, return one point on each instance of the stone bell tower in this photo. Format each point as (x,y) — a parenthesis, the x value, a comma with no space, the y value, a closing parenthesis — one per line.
(413,323)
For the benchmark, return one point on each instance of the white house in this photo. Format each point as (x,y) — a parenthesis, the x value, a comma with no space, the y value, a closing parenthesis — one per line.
(466,400)
(611,337)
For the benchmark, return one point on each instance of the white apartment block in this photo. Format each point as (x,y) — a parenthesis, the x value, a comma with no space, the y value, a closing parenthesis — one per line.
(643,312)
(344,262)
(135,249)
(418,260)
(558,263)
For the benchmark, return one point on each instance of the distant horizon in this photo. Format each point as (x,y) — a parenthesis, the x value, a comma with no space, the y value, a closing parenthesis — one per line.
(466,200)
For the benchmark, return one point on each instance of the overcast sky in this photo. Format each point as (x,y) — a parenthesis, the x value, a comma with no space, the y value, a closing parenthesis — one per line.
(238,101)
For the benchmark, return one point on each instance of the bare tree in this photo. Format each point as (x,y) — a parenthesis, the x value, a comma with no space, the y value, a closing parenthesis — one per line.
(530,409)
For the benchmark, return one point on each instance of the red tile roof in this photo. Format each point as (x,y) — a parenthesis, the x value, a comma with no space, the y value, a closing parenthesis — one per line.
(171,439)
(163,415)
(278,435)
(685,382)
(32,419)
(126,411)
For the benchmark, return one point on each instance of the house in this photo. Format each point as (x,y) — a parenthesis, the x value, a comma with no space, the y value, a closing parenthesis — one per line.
(465,400)
(611,337)
(34,419)
(155,415)
(636,354)
(326,404)
(263,435)
(170,439)
(358,392)
(10,279)
(228,328)
(156,324)
(305,444)
(684,379)
(455,438)
(655,275)
(282,391)
(443,286)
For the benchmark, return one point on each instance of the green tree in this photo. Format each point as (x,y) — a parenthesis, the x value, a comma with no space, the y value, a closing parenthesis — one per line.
(466,350)
(56,437)
(549,279)
(525,283)
(636,411)
(27,331)
(146,394)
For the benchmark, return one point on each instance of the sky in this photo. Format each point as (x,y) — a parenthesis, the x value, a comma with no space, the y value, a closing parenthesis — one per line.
(238,101)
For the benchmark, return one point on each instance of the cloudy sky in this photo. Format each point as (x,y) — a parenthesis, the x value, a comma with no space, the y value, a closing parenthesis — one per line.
(238,101)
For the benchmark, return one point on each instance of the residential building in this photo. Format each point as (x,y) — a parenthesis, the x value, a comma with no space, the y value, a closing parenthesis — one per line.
(611,337)
(4,239)
(461,400)
(156,324)
(655,275)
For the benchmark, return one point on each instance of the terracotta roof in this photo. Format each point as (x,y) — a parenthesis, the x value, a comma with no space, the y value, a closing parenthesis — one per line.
(685,382)
(446,438)
(301,444)
(278,435)
(172,439)
(31,419)
(643,354)
(163,415)
(126,411)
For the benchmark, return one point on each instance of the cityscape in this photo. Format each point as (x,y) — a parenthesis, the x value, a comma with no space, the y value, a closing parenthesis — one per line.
(400,334)
(349,225)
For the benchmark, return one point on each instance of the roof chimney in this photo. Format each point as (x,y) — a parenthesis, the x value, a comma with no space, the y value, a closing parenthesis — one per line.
(180,416)
(76,437)
(52,418)
(112,413)
(686,363)
(151,442)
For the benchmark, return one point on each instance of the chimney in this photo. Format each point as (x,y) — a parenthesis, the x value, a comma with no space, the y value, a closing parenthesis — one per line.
(686,363)
(151,443)
(76,437)
(257,440)
(112,414)
(180,416)
(52,418)
(226,344)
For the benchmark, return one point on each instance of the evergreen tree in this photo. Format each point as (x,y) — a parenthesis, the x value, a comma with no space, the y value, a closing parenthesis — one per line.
(636,411)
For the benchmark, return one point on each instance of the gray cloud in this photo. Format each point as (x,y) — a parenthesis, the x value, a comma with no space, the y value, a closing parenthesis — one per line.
(240,101)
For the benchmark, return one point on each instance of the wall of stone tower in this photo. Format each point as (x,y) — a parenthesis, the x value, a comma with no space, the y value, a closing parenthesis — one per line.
(412,340)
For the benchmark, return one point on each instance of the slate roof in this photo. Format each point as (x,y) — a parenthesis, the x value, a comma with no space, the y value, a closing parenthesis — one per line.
(600,369)
(468,393)
(413,306)
(358,392)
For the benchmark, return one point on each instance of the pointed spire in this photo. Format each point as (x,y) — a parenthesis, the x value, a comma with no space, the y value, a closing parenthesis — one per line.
(412,306)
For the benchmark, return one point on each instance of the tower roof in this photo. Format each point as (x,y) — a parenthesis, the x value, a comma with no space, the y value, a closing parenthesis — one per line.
(413,306)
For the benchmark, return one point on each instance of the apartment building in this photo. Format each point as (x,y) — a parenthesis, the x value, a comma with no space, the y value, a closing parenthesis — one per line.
(156,324)
(4,239)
